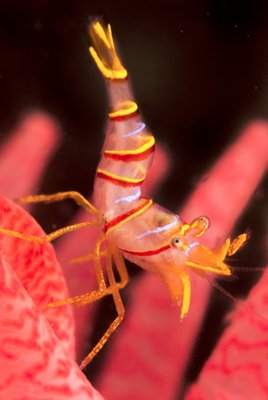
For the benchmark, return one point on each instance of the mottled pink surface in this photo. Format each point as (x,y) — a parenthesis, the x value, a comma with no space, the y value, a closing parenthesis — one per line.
(151,352)
(37,344)
(34,363)
(37,268)
(237,368)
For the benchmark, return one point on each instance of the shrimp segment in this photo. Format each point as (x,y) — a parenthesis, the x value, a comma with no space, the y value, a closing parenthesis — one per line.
(133,227)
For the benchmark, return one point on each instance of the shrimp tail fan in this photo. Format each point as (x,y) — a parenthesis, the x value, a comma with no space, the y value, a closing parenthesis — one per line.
(103,50)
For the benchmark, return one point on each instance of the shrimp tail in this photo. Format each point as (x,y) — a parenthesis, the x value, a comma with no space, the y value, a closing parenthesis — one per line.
(129,146)
(103,51)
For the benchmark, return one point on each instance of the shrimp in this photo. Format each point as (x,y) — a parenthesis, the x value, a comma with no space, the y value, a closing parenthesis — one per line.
(132,226)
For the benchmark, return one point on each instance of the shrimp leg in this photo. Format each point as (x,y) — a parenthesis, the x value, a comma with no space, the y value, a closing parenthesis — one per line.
(121,268)
(60,196)
(103,291)
(113,287)
(93,296)
(51,236)
(119,263)
(86,257)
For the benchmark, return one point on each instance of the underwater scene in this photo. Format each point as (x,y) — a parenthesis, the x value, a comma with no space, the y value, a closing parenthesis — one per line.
(133,204)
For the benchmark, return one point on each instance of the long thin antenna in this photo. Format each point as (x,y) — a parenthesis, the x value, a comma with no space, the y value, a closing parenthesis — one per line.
(241,303)
(248,269)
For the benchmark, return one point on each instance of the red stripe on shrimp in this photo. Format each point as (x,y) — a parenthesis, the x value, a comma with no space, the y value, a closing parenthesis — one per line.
(151,252)
(132,155)
(120,219)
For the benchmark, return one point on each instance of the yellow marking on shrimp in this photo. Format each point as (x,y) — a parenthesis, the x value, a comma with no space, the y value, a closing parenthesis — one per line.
(134,154)
(119,180)
(186,296)
(199,225)
(102,34)
(128,107)
(183,229)
(103,52)
(237,243)
(217,269)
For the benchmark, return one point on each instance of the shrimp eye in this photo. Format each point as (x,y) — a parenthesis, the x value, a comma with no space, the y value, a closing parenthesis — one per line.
(205,221)
(176,242)
(200,225)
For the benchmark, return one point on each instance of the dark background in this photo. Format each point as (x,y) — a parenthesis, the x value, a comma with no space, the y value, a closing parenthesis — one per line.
(199,71)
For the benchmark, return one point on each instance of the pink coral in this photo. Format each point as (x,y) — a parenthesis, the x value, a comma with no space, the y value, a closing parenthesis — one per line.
(151,350)
(242,352)
(37,344)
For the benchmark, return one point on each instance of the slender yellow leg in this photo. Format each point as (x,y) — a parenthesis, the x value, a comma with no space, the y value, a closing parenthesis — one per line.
(119,262)
(93,296)
(82,299)
(77,197)
(86,257)
(60,196)
(51,236)
(97,263)
(121,267)
(119,308)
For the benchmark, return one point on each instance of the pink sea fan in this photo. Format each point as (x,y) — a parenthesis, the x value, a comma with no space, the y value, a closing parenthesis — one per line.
(36,278)
(22,164)
(37,344)
(242,352)
(34,363)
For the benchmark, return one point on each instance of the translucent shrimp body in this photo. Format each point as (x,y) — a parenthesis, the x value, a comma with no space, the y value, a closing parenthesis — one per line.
(146,233)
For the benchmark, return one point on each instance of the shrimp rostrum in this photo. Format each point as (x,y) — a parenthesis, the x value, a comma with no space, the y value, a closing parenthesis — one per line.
(132,226)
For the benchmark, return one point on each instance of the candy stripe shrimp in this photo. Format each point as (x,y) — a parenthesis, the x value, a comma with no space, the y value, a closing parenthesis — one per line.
(132,226)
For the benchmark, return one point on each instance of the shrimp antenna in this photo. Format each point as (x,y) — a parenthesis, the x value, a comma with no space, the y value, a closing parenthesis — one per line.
(216,285)
(248,269)
(233,298)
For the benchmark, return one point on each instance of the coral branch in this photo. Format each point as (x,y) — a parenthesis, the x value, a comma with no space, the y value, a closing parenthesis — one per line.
(242,352)
(34,364)
(26,153)
(37,268)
